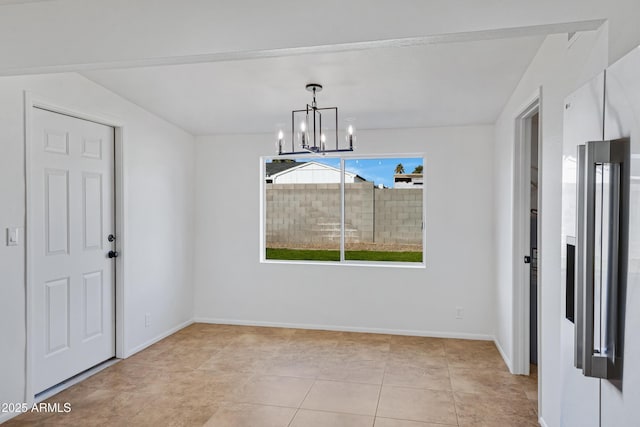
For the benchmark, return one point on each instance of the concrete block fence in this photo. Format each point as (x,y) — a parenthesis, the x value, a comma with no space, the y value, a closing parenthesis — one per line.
(308,216)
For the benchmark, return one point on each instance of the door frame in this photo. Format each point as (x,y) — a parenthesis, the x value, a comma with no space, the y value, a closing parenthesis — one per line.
(32,101)
(521,235)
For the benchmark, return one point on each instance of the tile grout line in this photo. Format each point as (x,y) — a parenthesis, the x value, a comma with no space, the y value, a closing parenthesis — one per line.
(302,401)
(384,372)
(455,408)
(243,377)
(332,411)
(430,423)
(294,417)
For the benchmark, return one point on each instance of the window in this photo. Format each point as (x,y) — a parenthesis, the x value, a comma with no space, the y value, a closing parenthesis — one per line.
(349,210)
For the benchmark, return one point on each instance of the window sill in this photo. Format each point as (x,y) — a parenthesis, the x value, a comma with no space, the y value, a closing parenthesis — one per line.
(389,264)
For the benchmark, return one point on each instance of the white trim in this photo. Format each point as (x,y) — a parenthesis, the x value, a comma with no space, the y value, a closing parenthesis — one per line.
(343,172)
(521,233)
(542,422)
(339,328)
(533,30)
(343,157)
(263,212)
(349,263)
(28,389)
(506,359)
(30,102)
(425,207)
(540,242)
(162,336)
(521,237)
(46,104)
(120,218)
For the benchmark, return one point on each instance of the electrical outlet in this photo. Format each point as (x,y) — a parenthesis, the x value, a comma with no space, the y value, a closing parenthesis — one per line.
(147,320)
(459,312)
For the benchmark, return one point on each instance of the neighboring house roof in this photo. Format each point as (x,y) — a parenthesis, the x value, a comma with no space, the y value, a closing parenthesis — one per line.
(274,168)
(278,168)
(408,175)
(407,180)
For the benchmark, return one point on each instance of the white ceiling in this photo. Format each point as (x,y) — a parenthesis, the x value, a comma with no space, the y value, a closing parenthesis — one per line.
(421,86)
(72,35)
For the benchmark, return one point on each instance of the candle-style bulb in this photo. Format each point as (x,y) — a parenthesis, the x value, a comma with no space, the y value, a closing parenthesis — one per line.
(303,133)
(350,136)
(280,141)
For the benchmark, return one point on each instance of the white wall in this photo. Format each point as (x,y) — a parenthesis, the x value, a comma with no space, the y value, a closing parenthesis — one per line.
(159,198)
(624,31)
(232,286)
(558,70)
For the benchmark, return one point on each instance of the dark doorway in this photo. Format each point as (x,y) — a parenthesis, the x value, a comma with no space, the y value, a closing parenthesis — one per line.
(533,275)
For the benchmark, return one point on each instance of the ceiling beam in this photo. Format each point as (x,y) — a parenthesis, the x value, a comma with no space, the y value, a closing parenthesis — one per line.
(503,33)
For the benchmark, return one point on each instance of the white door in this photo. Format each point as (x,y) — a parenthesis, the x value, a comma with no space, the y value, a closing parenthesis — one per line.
(582,122)
(620,404)
(71,214)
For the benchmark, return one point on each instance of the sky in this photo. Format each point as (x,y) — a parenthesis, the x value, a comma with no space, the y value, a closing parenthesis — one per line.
(379,170)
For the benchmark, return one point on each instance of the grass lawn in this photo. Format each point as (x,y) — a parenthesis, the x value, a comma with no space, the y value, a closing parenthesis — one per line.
(329,255)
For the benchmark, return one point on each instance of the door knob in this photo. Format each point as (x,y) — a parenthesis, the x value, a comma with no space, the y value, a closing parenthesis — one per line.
(113,254)
(111,238)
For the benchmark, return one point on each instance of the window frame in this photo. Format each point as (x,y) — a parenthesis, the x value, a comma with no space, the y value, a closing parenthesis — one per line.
(343,261)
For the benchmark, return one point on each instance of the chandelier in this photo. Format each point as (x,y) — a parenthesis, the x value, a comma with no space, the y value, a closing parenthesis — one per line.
(310,127)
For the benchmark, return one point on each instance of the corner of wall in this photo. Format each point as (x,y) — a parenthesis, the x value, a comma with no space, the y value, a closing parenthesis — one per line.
(506,358)
(130,352)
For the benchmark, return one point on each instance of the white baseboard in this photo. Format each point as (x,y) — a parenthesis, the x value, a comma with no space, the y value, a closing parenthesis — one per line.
(542,423)
(504,355)
(411,332)
(131,352)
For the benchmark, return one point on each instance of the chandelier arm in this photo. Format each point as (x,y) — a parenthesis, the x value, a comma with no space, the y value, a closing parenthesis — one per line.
(318,148)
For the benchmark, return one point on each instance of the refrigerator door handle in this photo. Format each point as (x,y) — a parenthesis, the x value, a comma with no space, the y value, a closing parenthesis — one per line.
(588,297)
(602,212)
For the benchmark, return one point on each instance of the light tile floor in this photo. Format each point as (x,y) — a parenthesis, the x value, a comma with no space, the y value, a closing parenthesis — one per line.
(233,376)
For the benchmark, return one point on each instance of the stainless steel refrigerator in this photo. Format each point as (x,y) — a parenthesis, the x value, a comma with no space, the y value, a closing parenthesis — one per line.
(600,326)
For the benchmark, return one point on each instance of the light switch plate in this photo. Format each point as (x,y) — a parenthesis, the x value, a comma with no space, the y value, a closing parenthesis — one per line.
(13,236)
